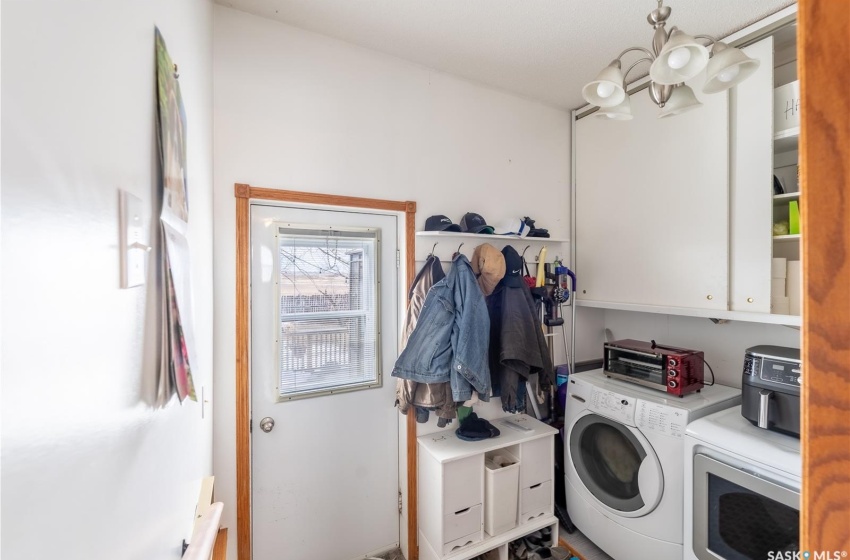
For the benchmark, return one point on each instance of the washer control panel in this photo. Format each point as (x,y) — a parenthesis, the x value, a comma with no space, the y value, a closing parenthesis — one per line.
(661,419)
(613,405)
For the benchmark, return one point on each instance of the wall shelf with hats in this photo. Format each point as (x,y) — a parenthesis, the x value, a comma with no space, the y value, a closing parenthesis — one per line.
(489,236)
(445,243)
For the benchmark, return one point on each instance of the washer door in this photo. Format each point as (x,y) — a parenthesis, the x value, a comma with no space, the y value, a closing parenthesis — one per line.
(616,464)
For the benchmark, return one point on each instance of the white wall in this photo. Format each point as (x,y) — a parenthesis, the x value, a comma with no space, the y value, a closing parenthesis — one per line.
(300,111)
(723,344)
(90,469)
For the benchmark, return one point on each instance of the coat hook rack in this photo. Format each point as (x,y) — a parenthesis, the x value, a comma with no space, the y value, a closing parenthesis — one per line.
(540,252)
(458,248)
(434,247)
(524,250)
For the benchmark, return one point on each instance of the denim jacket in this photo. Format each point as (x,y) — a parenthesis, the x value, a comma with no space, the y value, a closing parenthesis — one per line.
(451,338)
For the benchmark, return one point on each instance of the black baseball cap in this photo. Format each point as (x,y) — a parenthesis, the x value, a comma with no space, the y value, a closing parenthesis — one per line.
(474,223)
(440,223)
(513,268)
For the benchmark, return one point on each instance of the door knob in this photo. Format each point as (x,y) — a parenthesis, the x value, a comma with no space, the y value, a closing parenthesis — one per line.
(267,424)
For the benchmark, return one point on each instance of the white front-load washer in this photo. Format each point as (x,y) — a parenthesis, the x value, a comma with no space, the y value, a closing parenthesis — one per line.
(624,462)
(742,490)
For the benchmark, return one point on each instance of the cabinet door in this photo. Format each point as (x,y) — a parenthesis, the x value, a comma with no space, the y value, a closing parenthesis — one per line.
(751,184)
(652,216)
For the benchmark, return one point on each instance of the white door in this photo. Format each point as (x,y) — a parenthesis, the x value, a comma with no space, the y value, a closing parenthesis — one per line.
(324,301)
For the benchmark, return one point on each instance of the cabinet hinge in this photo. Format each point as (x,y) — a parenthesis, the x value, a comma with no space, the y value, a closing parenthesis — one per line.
(399,502)
(398,258)
(250,425)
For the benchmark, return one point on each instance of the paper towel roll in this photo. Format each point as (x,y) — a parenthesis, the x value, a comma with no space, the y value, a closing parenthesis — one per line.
(780,305)
(778,268)
(777,287)
(794,287)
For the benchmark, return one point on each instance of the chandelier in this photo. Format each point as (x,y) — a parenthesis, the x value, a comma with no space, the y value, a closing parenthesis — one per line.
(675,58)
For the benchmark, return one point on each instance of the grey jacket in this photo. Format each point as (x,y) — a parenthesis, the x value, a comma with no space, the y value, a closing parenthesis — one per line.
(451,337)
(429,396)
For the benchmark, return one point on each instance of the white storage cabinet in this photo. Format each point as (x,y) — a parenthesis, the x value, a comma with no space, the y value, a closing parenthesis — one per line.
(452,497)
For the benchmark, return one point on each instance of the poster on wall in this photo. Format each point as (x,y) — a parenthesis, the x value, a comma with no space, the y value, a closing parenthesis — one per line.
(178,348)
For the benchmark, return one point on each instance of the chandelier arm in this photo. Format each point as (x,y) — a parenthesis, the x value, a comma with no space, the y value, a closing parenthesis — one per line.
(630,49)
(644,59)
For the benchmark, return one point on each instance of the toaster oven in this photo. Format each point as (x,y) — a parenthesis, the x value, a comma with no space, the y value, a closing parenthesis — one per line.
(677,371)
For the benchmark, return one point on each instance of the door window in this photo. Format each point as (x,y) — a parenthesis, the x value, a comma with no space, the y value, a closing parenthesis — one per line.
(328,318)
(607,458)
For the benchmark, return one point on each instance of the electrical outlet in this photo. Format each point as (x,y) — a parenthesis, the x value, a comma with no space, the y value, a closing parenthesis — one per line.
(133,242)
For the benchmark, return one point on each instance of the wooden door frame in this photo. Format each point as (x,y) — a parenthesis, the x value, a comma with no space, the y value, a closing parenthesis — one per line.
(244,195)
(823,44)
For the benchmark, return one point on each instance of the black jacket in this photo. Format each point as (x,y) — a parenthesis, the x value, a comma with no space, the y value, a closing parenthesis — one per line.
(517,345)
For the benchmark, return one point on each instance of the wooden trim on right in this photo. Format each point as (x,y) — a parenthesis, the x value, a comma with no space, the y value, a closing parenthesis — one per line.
(243,394)
(220,548)
(824,66)
(412,445)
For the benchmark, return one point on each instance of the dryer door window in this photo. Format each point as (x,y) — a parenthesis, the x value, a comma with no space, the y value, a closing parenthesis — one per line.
(607,458)
(741,516)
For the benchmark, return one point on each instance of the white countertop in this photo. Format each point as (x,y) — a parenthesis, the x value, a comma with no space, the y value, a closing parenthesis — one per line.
(446,446)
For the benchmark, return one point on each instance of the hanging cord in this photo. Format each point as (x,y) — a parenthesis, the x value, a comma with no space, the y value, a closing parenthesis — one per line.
(712,372)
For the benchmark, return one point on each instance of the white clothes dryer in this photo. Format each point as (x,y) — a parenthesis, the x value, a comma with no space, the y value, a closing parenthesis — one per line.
(624,462)
(742,490)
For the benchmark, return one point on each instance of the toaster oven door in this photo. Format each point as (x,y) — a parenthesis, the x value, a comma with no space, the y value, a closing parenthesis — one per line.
(739,515)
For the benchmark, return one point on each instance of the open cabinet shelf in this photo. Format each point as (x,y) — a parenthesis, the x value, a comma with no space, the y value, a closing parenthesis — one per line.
(786,140)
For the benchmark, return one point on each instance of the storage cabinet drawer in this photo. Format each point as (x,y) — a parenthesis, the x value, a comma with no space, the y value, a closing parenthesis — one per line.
(462,523)
(461,542)
(537,462)
(536,499)
(463,484)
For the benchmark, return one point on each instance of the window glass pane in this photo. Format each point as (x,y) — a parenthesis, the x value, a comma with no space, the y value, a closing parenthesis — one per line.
(328,310)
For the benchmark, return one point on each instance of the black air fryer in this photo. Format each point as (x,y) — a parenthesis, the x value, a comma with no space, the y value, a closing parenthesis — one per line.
(771,388)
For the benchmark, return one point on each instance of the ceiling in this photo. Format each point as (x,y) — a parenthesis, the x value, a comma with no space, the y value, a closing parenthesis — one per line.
(539,49)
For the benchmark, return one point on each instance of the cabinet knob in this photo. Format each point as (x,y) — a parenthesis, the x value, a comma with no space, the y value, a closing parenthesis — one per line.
(749,300)
(709,297)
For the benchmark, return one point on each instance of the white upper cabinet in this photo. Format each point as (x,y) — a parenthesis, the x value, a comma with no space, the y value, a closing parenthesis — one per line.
(751,184)
(652,206)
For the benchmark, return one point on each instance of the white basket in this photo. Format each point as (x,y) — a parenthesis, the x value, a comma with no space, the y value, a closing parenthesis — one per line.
(501,491)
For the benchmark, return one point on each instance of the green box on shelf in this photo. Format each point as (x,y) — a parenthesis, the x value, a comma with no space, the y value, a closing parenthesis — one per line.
(793,217)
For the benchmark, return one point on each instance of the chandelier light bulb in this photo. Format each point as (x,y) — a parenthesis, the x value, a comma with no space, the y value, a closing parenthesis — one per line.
(678,58)
(605,89)
(728,75)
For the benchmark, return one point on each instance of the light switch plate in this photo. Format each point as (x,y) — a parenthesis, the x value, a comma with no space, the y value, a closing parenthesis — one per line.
(133,243)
